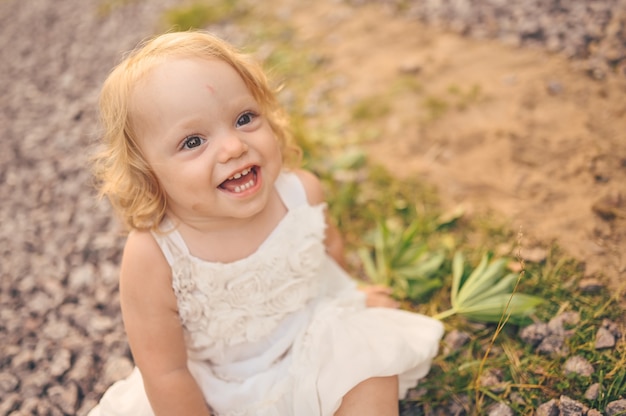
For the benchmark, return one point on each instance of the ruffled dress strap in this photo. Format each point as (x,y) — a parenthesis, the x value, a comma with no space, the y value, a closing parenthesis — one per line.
(170,241)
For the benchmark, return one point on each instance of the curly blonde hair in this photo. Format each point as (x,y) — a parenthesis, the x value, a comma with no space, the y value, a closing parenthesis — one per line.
(121,171)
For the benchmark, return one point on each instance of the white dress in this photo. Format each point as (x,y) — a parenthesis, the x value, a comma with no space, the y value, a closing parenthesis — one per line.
(283,331)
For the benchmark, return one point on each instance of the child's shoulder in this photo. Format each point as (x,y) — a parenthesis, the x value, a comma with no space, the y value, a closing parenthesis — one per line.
(312,186)
(142,256)
(141,243)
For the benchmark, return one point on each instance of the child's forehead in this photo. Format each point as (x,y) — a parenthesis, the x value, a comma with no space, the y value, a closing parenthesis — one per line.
(180,68)
(180,75)
(166,62)
(173,67)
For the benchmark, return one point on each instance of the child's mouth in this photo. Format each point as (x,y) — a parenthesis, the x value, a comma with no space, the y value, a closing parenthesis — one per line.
(240,181)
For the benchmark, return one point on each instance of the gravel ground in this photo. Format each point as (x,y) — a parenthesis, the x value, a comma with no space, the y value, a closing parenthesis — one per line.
(62,338)
(592,33)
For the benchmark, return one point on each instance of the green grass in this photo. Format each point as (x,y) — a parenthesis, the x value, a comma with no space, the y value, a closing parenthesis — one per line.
(371,108)
(464,98)
(200,14)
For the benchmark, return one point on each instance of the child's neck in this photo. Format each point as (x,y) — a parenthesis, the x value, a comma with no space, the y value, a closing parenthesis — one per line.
(235,242)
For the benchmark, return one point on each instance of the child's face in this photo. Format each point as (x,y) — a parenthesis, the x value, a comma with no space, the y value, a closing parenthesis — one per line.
(203,134)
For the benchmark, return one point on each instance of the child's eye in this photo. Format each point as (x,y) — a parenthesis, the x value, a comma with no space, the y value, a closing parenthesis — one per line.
(191,142)
(245,118)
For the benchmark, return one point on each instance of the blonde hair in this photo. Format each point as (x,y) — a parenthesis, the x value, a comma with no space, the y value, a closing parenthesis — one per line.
(121,171)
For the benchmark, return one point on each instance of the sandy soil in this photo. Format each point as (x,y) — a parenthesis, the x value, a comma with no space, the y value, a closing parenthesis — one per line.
(518,132)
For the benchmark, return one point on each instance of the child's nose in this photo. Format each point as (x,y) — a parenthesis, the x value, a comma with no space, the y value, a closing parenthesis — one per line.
(231,147)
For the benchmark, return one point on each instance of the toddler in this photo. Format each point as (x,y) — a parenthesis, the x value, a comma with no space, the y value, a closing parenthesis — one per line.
(232,293)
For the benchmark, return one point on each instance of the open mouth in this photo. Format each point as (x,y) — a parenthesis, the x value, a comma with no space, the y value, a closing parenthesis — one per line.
(241,181)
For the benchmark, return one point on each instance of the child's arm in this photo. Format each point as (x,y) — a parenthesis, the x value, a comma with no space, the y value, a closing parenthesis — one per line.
(154,330)
(376,295)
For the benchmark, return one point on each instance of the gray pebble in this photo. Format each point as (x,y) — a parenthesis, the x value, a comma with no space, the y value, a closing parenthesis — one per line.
(616,407)
(570,407)
(578,365)
(549,408)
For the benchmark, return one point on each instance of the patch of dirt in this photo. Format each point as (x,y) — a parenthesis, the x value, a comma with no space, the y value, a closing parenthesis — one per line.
(520,132)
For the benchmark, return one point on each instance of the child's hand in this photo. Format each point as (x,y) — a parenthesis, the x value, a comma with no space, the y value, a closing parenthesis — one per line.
(379,296)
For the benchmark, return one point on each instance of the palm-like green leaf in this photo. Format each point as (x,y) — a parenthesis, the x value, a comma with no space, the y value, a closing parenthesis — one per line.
(492,309)
(398,260)
(457,275)
(488,292)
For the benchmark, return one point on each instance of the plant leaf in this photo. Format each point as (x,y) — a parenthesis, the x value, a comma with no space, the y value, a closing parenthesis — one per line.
(504,285)
(492,309)
(457,275)
(381,257)
(427,267)
(368,265)
(476,284)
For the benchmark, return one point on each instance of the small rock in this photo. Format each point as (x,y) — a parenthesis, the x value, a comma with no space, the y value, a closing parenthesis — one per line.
(517,398)
(592,392)
(9,402)
(549,408)
(8,383)
(64,397)
(570,407)
(555,87)
(99,324)
(604,339)
(46,407)
(492,379)
(61,363)
(410,67)
(458,406)
(612,327)
(553,344)
(29,406)
(616,407)
(33,383)
(417,394)
(116,368)
(534,255)
(578,365)
(56,330)
(594,412)
(550,338)
(82,368)
(558,322)
(499,409)
(40,303)
(610,206)
(590,285)
(454,340)
(82,276)
(22,360)
(535,333)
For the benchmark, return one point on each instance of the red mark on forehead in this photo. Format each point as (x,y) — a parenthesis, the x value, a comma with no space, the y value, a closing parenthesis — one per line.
(210,88)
